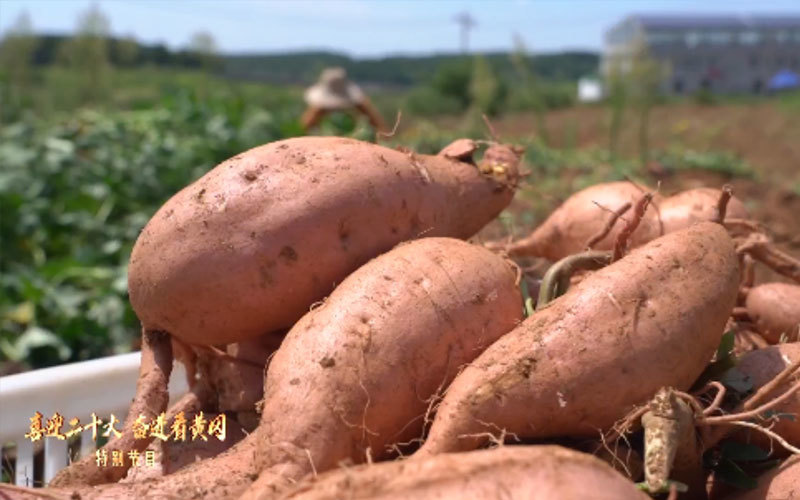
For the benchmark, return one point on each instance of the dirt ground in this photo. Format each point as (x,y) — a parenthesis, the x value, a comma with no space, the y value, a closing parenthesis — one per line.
(766,134)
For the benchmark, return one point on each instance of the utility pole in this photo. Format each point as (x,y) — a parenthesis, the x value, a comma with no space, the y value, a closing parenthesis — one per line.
(467,23)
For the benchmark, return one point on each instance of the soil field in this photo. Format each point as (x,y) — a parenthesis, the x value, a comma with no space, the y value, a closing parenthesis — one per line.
(766,134)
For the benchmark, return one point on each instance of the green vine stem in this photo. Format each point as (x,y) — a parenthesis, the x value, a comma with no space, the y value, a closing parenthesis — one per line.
(556,280)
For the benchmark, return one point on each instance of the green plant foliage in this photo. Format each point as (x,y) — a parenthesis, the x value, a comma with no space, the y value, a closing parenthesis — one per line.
(74,195)
(427,101)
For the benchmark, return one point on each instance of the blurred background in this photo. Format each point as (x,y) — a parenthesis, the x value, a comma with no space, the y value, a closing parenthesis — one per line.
(108,108)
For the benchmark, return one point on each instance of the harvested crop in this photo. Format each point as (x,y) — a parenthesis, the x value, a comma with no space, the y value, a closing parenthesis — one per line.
(695,205)
(238,378)
(652,319)
(173,455)
(775,310)
(152,397)
(589,219)
(572,225)
(359,373)
(248,247)
(529,472)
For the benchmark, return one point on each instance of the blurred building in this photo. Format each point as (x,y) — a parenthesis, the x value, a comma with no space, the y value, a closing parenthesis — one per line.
(726,54)
(590,89)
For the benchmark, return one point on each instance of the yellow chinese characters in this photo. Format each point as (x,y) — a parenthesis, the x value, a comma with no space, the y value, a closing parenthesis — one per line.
(198,427)
(118,458)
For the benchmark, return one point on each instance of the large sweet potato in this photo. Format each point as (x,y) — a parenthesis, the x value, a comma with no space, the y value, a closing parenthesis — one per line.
(775,310)
(358,373)
(248,247)
(580,217)
(568,229)
(694,205)
(651,319)
(509,472)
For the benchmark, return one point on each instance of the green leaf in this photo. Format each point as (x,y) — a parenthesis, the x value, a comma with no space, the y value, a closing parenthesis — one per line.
(742,452)
(33,338)
(728,472)
(725,345)
(714,371)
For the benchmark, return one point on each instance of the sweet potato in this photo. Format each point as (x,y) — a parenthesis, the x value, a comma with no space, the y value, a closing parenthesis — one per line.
(172,455)
(238,381)
(151,398)
(223,477)
(570,227)
(694,205)
(358,373)
(775,310)
(581,216)
(761,366)
(248,247)
(780,483)
(650,320)
(529,472)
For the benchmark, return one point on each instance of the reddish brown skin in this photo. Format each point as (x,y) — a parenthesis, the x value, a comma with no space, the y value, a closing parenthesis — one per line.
(567,230)
(762,366)
(151,399)
(252,244)
(775,311)
(172,455)
(220,478)
(239,382)
(357,373)
(780,483)
(524,472)
(650,320)
(695,205)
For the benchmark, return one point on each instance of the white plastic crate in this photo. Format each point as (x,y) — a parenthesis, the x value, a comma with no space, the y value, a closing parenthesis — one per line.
(103,386)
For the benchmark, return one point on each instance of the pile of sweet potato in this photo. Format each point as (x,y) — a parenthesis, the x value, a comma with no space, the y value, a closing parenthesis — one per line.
(323,293)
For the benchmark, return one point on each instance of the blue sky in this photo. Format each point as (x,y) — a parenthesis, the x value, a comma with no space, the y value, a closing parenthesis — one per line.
(368,28)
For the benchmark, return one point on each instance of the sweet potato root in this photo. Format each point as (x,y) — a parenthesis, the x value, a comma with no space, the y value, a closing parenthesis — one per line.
(152,397)
(568,229)
(238,381)
(356,375)
(650,320)
(252,244)
(530,472)
(775,310)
